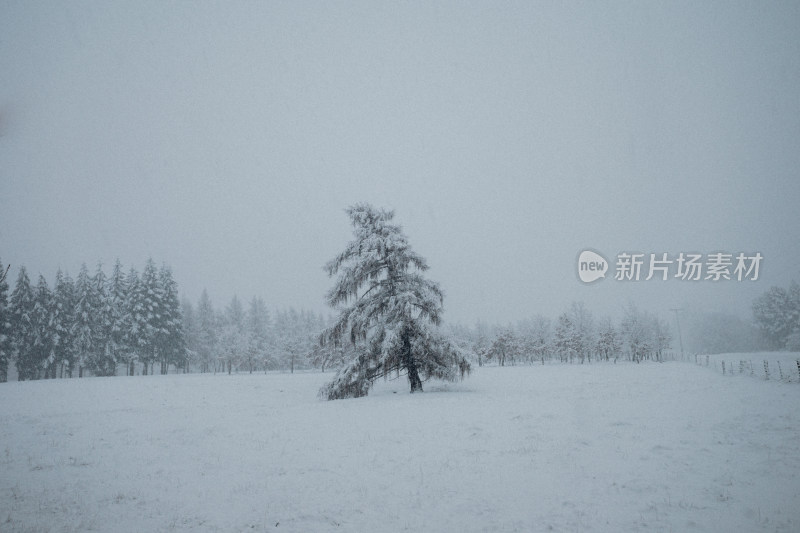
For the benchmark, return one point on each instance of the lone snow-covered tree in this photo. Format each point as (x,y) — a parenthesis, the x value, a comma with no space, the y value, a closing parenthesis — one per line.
(388,310)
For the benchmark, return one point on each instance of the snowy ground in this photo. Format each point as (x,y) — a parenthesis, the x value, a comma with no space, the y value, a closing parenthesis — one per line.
(601,447)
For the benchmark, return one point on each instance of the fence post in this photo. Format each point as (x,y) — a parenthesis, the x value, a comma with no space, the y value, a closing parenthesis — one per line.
(798,368)
(766,369)
(706,360)
(741,366)
(723,368)
(780,370)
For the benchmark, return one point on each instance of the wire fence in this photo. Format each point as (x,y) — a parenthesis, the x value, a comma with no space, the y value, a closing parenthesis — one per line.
(768,366)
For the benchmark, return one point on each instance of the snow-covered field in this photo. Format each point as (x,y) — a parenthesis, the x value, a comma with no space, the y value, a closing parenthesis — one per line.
(601,447)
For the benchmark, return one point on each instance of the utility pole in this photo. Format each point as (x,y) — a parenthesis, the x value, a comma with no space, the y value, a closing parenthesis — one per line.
(680,337)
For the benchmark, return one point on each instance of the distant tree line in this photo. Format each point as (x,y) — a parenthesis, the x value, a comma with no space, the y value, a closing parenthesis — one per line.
(235,339)
(574,336)
(129,323)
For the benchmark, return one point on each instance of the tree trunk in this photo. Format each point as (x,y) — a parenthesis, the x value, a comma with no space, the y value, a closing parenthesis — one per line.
(411,365)
(413,377)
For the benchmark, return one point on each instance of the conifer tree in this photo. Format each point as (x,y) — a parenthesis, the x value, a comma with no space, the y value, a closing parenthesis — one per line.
(387,309)
(608,340)
(565,339)
(207,332)
(22,331)
(151,301)
(661,336)
(234,336)
(114,313)
(84,328)
(538,337)
(292,341)
(43,360)
(170,336)
(258,324)
(191,333)
(480,344)
(6,346)
(102,361)
(62,322)
(134,322)
(635,331)
(584,335)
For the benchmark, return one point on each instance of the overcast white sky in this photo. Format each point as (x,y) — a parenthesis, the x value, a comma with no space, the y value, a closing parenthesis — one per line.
(225,139)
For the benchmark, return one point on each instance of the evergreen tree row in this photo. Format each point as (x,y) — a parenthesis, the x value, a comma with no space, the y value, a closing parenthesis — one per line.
(93,323)
(130,323)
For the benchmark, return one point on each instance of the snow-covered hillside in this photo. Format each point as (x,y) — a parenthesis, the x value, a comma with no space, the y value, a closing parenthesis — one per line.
(601,447)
